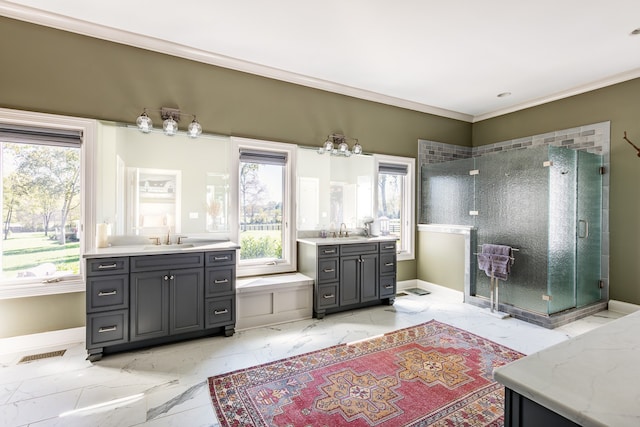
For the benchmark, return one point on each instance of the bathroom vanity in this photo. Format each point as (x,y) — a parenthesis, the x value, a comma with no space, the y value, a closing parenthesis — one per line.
(589,380)
(350,272)
(138,296)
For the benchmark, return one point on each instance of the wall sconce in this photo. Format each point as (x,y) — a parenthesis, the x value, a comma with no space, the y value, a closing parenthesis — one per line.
(336,145)
(170,117)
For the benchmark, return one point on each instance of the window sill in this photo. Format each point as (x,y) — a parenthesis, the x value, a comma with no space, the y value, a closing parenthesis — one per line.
(41,289)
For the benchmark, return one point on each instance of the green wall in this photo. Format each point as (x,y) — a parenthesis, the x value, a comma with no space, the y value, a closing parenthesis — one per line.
(442,259)
(52,71)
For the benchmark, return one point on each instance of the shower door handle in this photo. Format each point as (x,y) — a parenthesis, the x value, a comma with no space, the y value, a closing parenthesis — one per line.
(585,228)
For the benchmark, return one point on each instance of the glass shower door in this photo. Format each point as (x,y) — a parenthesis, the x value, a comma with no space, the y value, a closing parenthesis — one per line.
(589,227)
(513,209)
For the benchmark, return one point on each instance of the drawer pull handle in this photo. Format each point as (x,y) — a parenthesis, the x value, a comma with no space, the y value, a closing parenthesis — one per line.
(388,286)
(389,247)
(388,264)
(220,258)
(328,270)
(221,281)
(328,296)
(166,277)
(332,251)
(217,312)
(107,266)
(107,329)
(107,293)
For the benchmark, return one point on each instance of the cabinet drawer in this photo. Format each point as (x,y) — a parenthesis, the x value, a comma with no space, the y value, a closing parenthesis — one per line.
(327,270)
(327,251)
(220,311)
(358,249)
(220,258)
(387,286)
(388,247)
(220,280)
(327,296)
(167,262)
(107,328)
(387,263)
(107,292)
(101,266)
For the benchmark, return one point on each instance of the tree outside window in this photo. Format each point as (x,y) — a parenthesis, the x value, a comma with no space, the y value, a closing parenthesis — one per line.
(41,210)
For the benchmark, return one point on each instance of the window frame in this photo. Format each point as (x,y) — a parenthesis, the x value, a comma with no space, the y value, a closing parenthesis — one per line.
(88,127)
(407,252)
(289,249)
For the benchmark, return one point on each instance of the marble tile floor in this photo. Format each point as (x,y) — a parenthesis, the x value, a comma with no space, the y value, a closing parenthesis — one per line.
(166,385)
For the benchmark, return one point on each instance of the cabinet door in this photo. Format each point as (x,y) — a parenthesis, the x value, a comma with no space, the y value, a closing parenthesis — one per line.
(370,290)
(186,300)
(349,280)
(149,305)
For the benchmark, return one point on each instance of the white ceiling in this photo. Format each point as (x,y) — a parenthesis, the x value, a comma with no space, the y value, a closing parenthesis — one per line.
(448,57)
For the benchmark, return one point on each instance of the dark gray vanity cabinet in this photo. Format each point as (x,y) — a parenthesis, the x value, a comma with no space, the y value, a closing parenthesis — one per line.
(167,295)
(348,276)
(388,260)
(155,299)
(220,291)
(107,300)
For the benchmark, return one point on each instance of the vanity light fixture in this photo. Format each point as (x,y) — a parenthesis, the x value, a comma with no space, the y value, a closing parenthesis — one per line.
(336,145)
(170,117)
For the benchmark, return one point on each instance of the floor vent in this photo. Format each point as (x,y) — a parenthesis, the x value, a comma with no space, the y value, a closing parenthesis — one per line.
(401,294)
(34,357)
(418,291)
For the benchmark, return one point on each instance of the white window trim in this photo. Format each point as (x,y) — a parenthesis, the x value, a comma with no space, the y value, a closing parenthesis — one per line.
(409,200)
(289,216)
(89,132)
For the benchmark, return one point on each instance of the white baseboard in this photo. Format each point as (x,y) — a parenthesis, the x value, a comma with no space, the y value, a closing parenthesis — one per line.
(59,338)
(622,307)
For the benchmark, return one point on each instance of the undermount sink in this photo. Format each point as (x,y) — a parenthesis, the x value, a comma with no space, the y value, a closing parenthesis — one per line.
(168,247)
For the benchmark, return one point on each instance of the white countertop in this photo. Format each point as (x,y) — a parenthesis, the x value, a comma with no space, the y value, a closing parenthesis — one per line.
(592,379)
(133,250)
(345,240)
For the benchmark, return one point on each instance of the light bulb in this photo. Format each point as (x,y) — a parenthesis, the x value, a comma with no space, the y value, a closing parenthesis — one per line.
(144,123)
(170,126)
(194,130)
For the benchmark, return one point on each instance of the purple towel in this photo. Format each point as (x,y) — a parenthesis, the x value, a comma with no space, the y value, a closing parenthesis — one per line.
(496,260)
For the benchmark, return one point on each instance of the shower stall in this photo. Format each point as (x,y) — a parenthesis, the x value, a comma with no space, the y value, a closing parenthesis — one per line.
(545,201)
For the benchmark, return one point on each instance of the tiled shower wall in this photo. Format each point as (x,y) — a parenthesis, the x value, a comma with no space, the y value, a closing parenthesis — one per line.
(593,138)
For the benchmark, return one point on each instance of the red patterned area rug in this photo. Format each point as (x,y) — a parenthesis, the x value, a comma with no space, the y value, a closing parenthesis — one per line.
(432,374)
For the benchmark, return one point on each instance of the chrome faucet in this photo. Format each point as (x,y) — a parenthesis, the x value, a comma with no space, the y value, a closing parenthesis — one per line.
(346,233)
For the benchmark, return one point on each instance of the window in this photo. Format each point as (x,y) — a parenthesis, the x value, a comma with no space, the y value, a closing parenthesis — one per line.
(43,203)
(264,208)
(395,201)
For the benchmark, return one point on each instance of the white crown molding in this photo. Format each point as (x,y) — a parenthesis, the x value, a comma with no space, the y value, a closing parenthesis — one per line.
(618,78)
(60,22)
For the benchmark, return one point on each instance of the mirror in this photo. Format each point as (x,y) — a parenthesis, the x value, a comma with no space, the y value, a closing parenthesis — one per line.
(333,190)
(151,183)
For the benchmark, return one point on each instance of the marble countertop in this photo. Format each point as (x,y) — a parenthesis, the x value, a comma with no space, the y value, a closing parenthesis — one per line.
(345,240)
(591,379)
(133,250)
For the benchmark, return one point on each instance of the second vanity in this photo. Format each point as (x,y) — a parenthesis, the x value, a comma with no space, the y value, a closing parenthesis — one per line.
(138,296)
(349,272)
